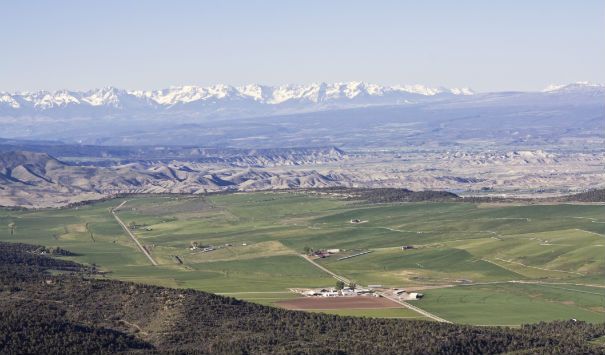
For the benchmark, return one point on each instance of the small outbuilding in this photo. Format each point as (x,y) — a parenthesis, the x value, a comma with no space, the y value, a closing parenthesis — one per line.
(329,294)
(312,293)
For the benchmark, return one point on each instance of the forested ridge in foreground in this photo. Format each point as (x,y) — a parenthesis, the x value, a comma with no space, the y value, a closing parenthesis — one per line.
(71,312)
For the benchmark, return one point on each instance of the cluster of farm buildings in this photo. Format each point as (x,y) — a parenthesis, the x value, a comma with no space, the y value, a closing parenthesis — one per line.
(324,253)
(371,290)
(345,292)
(195,246)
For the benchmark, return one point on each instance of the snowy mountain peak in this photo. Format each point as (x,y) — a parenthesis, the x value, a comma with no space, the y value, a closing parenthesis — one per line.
(107,96)
(462,91)
(584,86)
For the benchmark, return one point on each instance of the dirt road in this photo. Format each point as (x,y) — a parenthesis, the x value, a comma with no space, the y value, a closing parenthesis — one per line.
(414,308)
(337,277)
(132,236)
(405,304)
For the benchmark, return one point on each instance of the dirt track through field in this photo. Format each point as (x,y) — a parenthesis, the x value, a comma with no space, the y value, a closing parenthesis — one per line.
(337,277)
(132,236)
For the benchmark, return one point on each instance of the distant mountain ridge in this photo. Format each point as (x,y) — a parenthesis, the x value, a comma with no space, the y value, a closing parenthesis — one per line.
(114,98)
(580,86)
(180,97)
(38,179)
(344,114)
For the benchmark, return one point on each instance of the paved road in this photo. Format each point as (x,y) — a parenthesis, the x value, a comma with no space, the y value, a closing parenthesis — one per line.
(394,299)
(134,238)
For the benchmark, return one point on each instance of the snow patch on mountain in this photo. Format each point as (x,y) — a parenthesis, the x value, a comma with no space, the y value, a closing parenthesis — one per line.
(580,86)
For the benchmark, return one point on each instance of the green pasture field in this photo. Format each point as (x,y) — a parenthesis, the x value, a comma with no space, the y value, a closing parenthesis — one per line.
(258,239)
(513,304)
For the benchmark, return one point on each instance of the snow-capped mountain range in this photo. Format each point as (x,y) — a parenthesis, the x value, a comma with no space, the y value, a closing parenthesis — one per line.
(217,98)
(352,114)
(110,97)
(339,95)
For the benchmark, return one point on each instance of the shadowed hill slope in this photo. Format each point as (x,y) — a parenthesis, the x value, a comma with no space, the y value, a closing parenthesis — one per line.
(73,313)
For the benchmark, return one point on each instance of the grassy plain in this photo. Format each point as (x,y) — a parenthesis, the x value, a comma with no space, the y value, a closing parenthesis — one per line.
(258,238)
(513,304)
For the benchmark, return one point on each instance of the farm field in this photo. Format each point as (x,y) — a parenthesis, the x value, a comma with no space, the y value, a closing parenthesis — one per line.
(317,303)
(464,255)
(513,304)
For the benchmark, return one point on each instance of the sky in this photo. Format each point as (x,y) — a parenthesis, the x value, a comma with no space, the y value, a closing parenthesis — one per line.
(485,45)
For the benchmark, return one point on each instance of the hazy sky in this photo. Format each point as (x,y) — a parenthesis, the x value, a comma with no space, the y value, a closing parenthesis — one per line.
(485,45)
